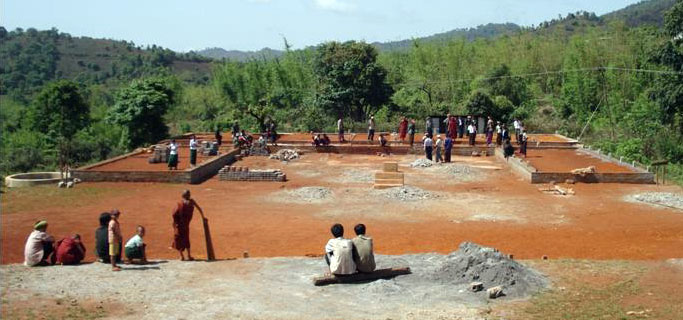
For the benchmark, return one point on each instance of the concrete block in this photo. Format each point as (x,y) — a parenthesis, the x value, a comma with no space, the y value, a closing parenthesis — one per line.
(390,167)
(389,175)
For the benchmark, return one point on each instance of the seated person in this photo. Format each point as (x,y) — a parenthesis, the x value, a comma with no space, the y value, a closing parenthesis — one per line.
(339,252)
(102,240)
(135,247)
(325,140)
(363,256)
(315,140)
(70,250)
(382,140)
(39,246)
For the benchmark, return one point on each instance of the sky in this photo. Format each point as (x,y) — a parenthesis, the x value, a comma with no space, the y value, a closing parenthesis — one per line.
(184,25)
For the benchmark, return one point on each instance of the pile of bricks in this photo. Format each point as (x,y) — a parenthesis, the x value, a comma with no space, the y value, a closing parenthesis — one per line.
(234,173)
(259,149)
(159,154)
(208,148)
(389,177)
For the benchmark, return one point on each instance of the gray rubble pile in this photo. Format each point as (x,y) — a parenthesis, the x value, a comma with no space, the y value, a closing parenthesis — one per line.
(309,194)
(259,149)
(407,193)
(422,163)
(231,173)
(160,153)
(473,263)
(285,155)
(667,199)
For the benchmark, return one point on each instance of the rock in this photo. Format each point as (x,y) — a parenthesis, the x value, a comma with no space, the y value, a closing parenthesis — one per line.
(570,181)
(476,286)
(495,292)
(422,163)
(61,184)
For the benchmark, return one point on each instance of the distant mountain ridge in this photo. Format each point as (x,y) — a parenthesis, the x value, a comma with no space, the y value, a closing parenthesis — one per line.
(647,12)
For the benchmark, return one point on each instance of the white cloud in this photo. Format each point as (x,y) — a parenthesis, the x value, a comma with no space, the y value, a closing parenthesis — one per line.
(335,5)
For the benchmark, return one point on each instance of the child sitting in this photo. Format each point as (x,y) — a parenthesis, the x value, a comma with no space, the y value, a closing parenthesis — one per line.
(135,248)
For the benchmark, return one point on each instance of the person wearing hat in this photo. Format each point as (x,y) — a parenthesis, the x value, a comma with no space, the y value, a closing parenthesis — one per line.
(39,246)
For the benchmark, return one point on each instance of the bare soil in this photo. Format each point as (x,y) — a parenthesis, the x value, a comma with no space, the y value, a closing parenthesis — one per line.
(566,160)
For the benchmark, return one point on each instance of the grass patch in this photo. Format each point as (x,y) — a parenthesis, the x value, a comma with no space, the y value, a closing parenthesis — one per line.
(34,198)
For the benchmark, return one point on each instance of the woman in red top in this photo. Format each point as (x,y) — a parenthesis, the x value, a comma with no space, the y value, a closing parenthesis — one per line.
(182,215)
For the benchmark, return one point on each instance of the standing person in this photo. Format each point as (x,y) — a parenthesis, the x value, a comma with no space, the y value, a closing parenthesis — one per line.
(402,129)
(70,250)
(447,147)
(219,137)
(272,127)
(523,142)
(472,133)
(461,127)
(508,149)
(135,247)
(499,133)
(340,129)
(371,129)
(193,150)
(182,216)
(235,130)
(39,246)
(428,144)
(489,132)
(173,155)
(516,126)
(439,146)
(505,134)
(339,252)
(363,256)
(114,236)
(452,127)
(411,132)
(429,130)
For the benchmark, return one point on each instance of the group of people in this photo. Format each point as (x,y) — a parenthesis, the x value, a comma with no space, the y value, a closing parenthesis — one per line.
(319,139)
(41,249)
(349,256)
(173,146)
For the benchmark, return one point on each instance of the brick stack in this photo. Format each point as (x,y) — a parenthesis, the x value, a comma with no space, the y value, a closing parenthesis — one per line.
(208,148)
(259,149)
(389,177)
(234,173)
(159,154)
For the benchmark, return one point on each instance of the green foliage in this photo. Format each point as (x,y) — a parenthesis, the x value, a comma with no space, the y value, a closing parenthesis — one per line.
(59,110)
(140,110)
(24,151)
(352,83)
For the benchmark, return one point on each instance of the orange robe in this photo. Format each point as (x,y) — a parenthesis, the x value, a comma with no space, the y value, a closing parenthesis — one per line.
(181,225)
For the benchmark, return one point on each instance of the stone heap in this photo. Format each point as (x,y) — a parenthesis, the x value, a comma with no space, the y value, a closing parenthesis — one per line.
(233,173)
(389,177)
(208,148)
(259,149)
(160,153)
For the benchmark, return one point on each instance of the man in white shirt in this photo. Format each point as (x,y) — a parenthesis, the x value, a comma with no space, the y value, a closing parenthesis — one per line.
(339,252)
(472,132)
(135,247)
(193,150)
(340,129)
(439,146)
(428,145)
(371,129)
(516,125)
(39,246)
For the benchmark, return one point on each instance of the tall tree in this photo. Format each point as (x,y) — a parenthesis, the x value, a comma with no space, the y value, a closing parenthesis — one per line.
(59,111)
(351,82)
(140,109)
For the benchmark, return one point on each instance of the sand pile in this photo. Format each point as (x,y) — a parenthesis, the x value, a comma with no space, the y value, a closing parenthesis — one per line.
(475,263)
(671,200)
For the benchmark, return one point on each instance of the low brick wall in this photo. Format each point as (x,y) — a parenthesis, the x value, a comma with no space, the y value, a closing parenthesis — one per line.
(458,150)
(229,173)
(195,175)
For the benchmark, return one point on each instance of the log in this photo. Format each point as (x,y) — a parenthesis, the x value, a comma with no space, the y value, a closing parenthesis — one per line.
(358,277)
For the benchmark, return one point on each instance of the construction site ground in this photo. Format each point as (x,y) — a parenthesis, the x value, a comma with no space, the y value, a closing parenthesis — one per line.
(488,204)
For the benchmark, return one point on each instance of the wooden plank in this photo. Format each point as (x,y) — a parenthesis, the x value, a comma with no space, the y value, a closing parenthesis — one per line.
(358,277)
(210,256)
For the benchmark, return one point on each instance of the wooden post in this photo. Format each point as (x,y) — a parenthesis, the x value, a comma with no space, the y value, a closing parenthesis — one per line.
(210,256)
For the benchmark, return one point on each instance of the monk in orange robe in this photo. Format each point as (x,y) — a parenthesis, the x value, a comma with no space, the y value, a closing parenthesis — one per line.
(402,129)
(182,216)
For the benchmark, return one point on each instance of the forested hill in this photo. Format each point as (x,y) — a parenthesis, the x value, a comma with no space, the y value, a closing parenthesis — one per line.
(29,58)
(645,12)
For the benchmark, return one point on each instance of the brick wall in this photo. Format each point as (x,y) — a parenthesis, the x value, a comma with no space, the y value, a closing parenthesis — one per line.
(229,173)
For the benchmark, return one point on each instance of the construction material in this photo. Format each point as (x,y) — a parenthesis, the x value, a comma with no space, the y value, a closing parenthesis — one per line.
(407,194)
(557,190)
(259,149)
(664,199)
(210,256)
(160,153)
(235,173)
(358,277)
(422,163)
(389,177)
(584,171)
(285,155)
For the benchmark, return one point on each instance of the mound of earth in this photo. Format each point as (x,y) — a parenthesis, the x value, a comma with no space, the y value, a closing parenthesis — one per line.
(666,199)
(407,193)
(475,263)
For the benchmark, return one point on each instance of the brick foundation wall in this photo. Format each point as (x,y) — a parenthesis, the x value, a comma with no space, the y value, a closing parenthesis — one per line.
(229,173)
(374,149)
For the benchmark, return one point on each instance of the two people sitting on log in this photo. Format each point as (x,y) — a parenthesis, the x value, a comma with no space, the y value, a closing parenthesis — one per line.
(345,256)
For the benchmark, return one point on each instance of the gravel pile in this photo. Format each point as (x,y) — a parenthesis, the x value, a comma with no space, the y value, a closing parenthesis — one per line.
(352,175)
(475,263)
(407,193)
(285,155)
(672,200)
(308,194)
(460,171)
(422,163)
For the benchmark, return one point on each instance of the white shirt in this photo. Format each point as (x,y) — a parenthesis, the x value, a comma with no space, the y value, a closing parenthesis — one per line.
(135,241)
(471,129)
(340,252)
(33,251)
(371,124)
(498,128)
(340,124)
(439,143)
(193,144)
(174,148)
(428,142)
(516,124)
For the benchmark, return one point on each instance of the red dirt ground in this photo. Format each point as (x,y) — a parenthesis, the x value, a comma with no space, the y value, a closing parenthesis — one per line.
(561,160)
(139,162)
(598,223)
